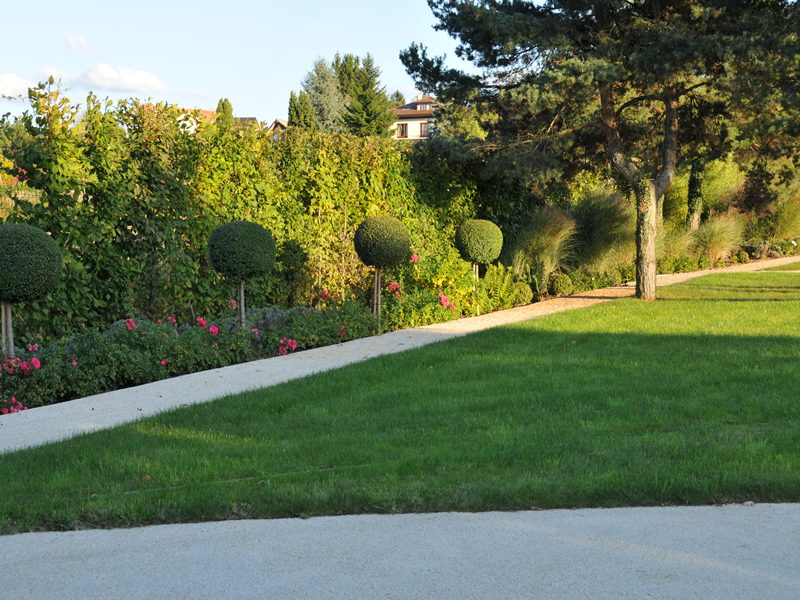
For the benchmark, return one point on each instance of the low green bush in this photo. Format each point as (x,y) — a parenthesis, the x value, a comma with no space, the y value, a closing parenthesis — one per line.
(584,280)
(503,289)
(561,285)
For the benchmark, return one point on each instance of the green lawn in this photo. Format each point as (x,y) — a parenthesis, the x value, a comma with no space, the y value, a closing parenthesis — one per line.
(692,399)
(795,266)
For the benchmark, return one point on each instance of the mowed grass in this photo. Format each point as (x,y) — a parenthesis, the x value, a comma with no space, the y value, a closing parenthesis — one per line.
(795,266)
(692,399)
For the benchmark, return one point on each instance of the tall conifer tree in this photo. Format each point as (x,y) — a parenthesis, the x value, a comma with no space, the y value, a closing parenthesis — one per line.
(322,87)
(368,110)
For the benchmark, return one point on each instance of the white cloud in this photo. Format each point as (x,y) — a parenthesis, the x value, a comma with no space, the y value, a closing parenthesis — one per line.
(125,79)
(76,43)
(11,85)
(57,75)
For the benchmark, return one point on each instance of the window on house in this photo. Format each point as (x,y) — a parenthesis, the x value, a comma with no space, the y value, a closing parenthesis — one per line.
(402,130)
(423,130)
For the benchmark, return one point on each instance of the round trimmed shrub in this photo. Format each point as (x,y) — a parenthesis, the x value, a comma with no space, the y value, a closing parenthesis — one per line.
(479,241)
(241,249)
(382,241)
(562,285)
(31,265)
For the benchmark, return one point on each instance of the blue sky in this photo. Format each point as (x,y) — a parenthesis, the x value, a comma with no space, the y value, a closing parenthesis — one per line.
(192,54)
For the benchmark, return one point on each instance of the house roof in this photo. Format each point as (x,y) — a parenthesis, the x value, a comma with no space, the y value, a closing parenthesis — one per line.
(278,124)
(406,113)
(410,110)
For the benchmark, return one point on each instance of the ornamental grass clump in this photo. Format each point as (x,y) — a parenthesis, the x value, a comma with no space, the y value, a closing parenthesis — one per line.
(717,238)
(241,250)
(30,270)
(605,228)
(542,245)
(381,242)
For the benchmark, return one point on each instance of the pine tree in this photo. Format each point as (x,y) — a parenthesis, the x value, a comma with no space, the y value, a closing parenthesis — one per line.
(594,77)
(368,110)
(322,88)
(347,70)
(397,99)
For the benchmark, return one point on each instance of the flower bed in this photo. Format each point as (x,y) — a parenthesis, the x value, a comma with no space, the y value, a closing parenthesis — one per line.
(136,351)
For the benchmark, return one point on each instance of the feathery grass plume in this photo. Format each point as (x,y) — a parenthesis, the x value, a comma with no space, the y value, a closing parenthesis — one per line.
(718,237)
(674,242)
(605,230)
(784,222)
(542,245)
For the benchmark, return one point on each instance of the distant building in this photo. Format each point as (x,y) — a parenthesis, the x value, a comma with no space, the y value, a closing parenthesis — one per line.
(277,126)
(413,120)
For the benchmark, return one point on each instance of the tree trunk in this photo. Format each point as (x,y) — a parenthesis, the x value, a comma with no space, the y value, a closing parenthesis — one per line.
(695,195)
(241,305)
(8,331)
(376,297)
(646,221)
(647,191)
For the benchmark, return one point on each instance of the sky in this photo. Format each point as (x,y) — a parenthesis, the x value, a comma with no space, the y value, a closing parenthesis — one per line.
(194,53)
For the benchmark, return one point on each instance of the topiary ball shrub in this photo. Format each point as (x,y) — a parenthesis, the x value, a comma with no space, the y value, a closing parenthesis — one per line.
(241,249)
(382,241)
(479,241)
(31,265)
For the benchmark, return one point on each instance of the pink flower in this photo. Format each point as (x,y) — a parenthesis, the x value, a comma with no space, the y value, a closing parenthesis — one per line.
(164,363)
(172,320)
(232,304)
(5,411)
(201,322)
(159,321)
(131,324)
(35,362)
(414,258)
(254,331)
(397,293)
(213,330)
(74,363)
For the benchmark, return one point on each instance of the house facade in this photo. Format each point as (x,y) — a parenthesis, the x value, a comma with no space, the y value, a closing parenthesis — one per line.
(413,120)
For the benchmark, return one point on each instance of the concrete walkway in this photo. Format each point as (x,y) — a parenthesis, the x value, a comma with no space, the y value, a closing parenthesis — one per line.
(687,552)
